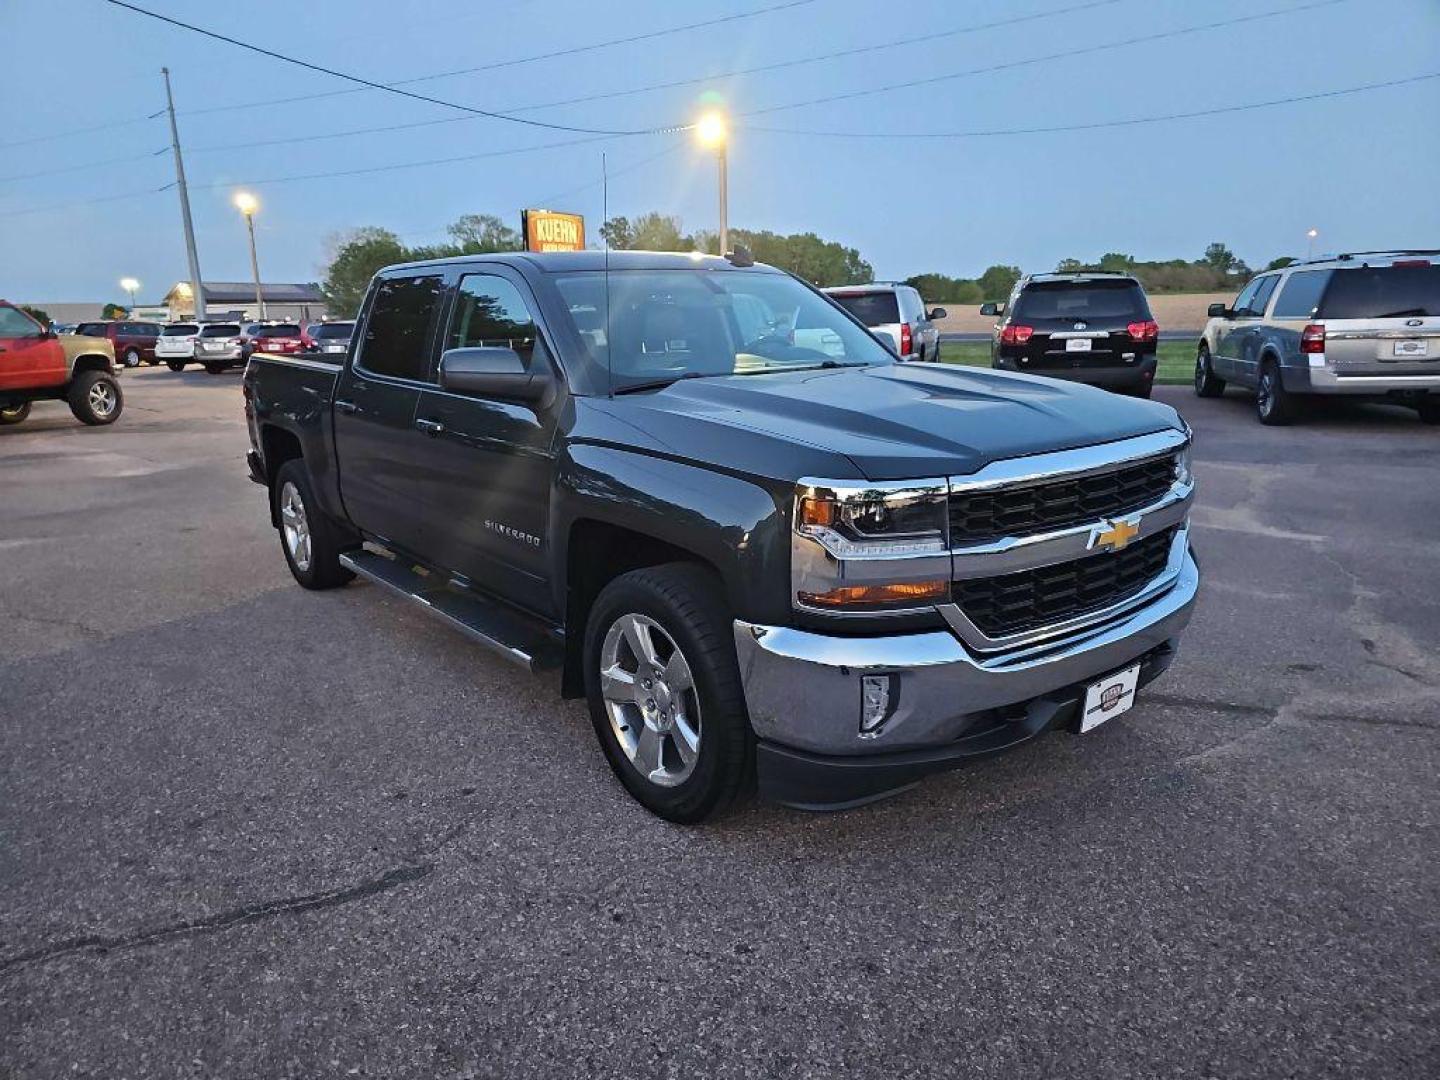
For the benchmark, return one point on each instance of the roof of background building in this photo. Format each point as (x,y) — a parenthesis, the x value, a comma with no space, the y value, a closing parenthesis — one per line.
(243,292)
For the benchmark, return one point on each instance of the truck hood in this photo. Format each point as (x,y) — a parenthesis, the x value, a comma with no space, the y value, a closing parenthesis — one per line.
(892,422)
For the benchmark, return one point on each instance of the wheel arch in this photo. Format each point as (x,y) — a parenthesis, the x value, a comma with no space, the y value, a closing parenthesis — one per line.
(90,362)
(277,446)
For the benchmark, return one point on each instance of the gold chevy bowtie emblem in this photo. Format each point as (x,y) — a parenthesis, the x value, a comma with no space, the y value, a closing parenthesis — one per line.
(1114,534)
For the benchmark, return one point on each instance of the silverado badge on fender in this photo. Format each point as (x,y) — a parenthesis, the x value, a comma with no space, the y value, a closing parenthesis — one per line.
(1114,535)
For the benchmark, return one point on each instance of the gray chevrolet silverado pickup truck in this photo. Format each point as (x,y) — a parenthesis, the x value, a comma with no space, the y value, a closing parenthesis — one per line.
(763,550)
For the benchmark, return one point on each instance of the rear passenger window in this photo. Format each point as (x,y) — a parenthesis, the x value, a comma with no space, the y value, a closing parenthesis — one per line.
(489,311)
(1301,294)
(399,326)
(1262,295)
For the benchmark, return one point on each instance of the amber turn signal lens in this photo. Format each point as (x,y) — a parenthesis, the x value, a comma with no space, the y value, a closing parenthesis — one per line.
(819,512)
(900,592)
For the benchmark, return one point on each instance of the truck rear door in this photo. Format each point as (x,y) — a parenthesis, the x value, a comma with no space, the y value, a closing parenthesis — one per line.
(375,402)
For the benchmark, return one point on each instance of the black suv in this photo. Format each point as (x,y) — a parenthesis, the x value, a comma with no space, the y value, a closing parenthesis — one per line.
(1089,327)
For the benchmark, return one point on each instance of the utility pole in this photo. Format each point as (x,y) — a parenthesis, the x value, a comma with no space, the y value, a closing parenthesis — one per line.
(195,285)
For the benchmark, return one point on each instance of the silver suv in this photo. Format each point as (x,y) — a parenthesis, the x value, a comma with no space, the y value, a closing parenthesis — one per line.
(1364,324)
(894,311)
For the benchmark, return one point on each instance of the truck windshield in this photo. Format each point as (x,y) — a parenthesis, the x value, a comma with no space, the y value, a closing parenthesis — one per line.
(673,324)
(1383,292)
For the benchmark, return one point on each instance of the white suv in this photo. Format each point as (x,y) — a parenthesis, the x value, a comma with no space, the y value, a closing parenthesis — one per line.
(176,345)
(895,310)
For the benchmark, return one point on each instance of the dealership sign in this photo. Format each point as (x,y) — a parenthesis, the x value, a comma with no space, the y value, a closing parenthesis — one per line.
(547,230)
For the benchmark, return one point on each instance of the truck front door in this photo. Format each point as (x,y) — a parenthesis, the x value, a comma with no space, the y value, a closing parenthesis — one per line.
(485,464)
(30,357)
(374,408)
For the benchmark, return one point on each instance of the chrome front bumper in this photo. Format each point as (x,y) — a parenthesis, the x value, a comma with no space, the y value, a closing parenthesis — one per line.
(804,691)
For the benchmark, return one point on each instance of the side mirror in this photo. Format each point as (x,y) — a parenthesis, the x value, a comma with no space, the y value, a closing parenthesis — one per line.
(492,372)
(1217,311)
(938,313)
(991,308)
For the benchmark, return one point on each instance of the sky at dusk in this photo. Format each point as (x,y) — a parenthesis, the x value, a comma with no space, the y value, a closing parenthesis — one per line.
(79,170)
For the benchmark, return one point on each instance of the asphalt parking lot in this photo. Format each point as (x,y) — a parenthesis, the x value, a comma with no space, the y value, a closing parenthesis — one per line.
(250,831)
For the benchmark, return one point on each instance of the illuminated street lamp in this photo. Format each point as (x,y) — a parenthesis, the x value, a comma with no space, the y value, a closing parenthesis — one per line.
(712,133)
(247,204)
(1312,234)
(130,285)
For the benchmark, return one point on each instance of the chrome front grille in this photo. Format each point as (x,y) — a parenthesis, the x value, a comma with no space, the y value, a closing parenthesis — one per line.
(985,515)
(1028,600)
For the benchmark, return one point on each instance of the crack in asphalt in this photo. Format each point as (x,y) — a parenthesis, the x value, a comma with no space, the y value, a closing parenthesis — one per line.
(223,920)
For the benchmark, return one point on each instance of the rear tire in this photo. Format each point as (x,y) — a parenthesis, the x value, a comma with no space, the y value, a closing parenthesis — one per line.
(1274,405)
(664,691)
(132,358)
(310,540)
(1207,383)
(95,398)
(175,365)
(15,415)
(214,368)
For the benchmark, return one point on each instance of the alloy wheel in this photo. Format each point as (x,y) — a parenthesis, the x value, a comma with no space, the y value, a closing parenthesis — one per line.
(102,399)
(650,699)
(295,525)
(1265,393)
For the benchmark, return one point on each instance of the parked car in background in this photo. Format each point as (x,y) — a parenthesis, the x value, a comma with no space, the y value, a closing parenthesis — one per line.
(1091,327)
(37,364)
(220,347)
(281,338)
(329,339)
(1363,325)
(64,328)
(133,342)
(176,345)
(813,566)
(896,311)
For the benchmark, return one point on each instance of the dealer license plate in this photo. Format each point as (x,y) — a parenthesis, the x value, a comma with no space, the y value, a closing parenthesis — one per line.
(1411,348)
(1077,344)
(1109,697)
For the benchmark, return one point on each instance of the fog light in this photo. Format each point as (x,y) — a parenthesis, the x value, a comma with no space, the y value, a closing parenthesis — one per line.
(877,693)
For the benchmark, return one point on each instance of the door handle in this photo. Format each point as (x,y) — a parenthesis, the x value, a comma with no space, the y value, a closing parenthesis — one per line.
(346,406)
(430,427)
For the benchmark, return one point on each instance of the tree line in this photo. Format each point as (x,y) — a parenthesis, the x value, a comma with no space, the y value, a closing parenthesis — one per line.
(361,252)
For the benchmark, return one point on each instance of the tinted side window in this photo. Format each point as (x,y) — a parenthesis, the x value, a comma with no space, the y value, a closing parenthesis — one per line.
(399,325)
(489,311)
(1262,295)
(1242,302)
(1301,294)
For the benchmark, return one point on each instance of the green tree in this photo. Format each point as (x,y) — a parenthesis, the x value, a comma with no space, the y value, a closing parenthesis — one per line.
(1117,261)
(479,234)
(113,311)
(618,233)
(1280,263)
(1069,266)
(1221,258)
(37,313)
(942,289)
(356,260)
(997,281)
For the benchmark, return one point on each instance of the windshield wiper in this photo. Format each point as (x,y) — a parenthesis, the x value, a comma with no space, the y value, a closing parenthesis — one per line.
(659,384)
(823,366)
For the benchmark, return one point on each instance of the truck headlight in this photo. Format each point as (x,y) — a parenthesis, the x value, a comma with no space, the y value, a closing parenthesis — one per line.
(870,548)
(1183,474)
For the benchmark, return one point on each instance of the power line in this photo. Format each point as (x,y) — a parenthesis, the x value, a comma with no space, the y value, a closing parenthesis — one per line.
(371,84)
(84,165)
(77,204)
(79,131)
(1126,122)
(690,81)
(1066,54)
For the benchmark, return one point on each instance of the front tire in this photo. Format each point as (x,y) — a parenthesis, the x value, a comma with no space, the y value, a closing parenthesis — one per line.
(310,540)
(1207,383)
(664,691)
(95,398)
(132,358)
(1274,405)
(14,415)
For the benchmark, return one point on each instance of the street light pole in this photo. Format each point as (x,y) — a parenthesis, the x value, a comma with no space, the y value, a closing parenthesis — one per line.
(1311,253)
(131,286)
(248,204)
(724,202)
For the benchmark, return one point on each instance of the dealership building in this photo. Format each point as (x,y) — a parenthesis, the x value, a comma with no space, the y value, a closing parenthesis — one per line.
(291,301)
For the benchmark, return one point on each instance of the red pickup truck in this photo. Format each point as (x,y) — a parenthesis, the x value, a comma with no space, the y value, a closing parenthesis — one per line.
(36,364)
(133,341)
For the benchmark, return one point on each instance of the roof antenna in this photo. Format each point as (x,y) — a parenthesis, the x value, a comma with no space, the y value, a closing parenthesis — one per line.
(604,220)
